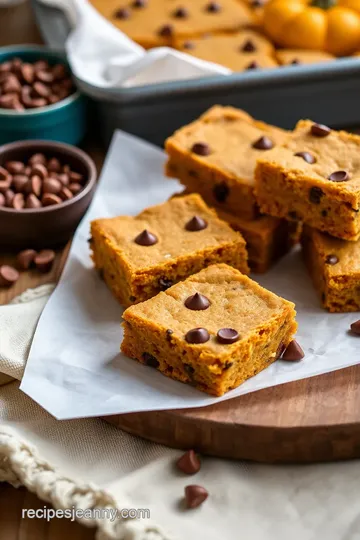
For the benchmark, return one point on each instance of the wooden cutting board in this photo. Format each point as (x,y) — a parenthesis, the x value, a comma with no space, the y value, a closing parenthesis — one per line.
(315,419)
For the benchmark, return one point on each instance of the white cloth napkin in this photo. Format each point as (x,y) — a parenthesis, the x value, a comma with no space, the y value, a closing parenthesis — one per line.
(75,351)
(102,56)
(89,463)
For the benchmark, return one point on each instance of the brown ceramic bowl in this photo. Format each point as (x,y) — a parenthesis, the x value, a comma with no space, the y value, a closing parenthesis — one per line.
(49,226)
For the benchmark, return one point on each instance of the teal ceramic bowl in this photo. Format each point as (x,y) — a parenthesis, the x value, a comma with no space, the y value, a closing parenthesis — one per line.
(64,121)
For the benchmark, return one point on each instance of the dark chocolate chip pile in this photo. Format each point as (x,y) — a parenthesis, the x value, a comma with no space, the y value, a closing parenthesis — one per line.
(27,86)
(28,258)
(38,181)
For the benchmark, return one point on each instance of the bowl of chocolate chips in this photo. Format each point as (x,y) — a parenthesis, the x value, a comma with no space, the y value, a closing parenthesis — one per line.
(38,98)
(45,189)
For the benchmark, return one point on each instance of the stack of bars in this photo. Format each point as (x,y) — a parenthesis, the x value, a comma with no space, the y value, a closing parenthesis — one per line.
(312,176)
(180,267)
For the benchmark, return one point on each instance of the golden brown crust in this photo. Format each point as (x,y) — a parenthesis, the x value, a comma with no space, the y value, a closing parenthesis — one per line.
(155,330)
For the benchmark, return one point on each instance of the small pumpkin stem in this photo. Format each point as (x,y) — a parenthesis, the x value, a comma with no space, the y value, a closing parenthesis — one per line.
(324,4)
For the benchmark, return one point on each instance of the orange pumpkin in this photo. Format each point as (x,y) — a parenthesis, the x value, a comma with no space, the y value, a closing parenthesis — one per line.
(328,25)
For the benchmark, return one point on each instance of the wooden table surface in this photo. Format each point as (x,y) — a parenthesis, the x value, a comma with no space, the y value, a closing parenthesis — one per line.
(17,26)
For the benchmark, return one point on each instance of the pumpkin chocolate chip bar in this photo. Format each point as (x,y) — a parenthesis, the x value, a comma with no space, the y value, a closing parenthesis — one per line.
(334,266)
(267,238)
(156,23)
(313,177)
(214,330)
(216,157)
(143,255)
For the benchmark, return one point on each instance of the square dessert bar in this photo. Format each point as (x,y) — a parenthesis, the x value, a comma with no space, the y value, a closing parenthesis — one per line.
(334,266)
(267,238)
(243,50)
(158,22)
(315,178)
(214,330)
(216,157)
(140,256)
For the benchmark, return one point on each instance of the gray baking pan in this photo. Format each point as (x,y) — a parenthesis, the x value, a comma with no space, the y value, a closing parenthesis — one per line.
(327,93)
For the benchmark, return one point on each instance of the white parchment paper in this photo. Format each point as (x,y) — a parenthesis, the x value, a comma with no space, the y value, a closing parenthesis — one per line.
(75,368)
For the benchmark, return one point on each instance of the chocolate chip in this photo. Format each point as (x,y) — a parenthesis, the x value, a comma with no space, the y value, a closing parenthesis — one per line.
(201,148)
(264,143)
(146,238)
(34,185)
(26,258)
(228,365)
(150,360)
(18,201)
(195,496)
(181,13)
(324,213)
(253,65)
(122,13)
(315,195)
(213,7)
(44,260)
(75,188)
(257,3)
(9,195)
(197,302)
(8,275)
(169,333)
(49,199)
(32,201)
(188,45)
(293,215)
(196,224)
(227,336)
(189,463)
(293,352)
(54,165)
(166,30)
(355,327)
(248,46)
(221,192)
(189,370)
(331,259)
(165,284)
(37,158)
(15,167)
(40,170)
(197,335)
(65,194)
(309,158)
(295,62)
(51,185)
(339,176)
(320,130)
(19,182)
(139,4)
